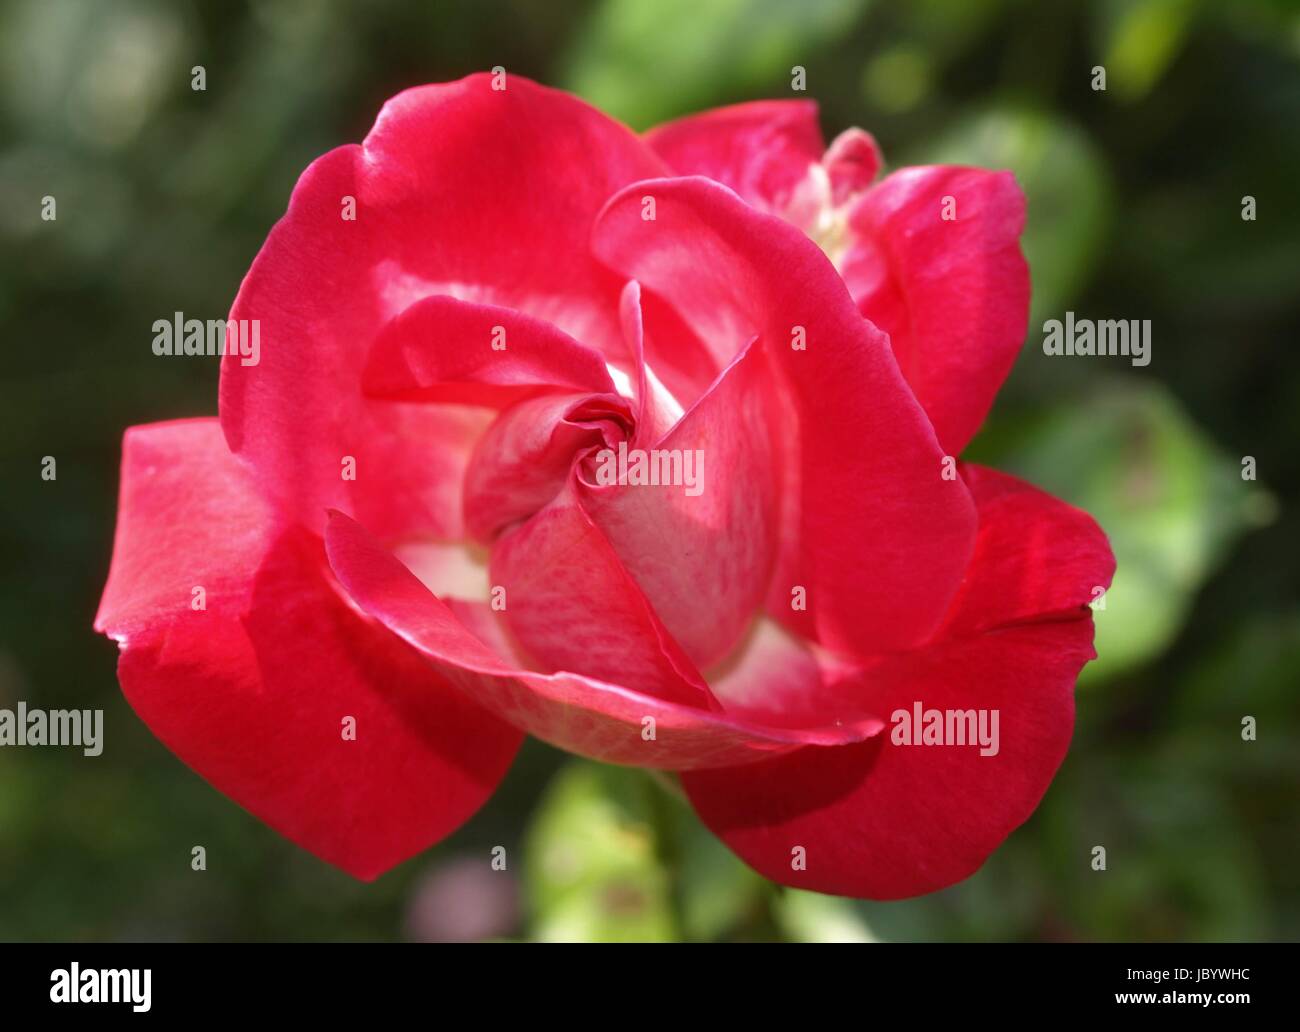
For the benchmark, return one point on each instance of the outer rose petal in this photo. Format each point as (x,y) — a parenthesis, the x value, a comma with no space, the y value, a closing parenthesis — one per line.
(1035,556)
(953,294)
(582,715)
(460,189)
(762,150)
(876,536)
(252,692)
(886,821)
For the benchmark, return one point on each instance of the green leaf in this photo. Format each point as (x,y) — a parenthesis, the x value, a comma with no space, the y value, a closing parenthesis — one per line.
(1140,39)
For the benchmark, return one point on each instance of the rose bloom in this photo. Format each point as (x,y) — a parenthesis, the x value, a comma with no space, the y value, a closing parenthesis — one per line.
(408,557)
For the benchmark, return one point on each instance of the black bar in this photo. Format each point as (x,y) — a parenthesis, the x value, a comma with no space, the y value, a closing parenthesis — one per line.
(460,986)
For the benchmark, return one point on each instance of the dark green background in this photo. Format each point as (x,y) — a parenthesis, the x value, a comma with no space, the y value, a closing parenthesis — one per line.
(165,194)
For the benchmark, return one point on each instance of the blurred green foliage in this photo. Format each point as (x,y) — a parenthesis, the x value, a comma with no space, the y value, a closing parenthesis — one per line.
(1134,196)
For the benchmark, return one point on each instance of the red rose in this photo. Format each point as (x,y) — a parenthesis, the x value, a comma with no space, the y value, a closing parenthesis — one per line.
(564,431)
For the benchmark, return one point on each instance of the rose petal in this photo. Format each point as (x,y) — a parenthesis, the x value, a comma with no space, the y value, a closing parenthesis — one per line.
(526,457)
(703,553)
(852,162)
(681,361)
(776,678)
(461,189)
(1035,557)
(573,606)
(442,349)
(604,721)
(254,691)
(762,150)
(878,538)
(885,820)
(953,294)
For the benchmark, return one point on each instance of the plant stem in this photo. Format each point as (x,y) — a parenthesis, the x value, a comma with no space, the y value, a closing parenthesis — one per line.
(663,799)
